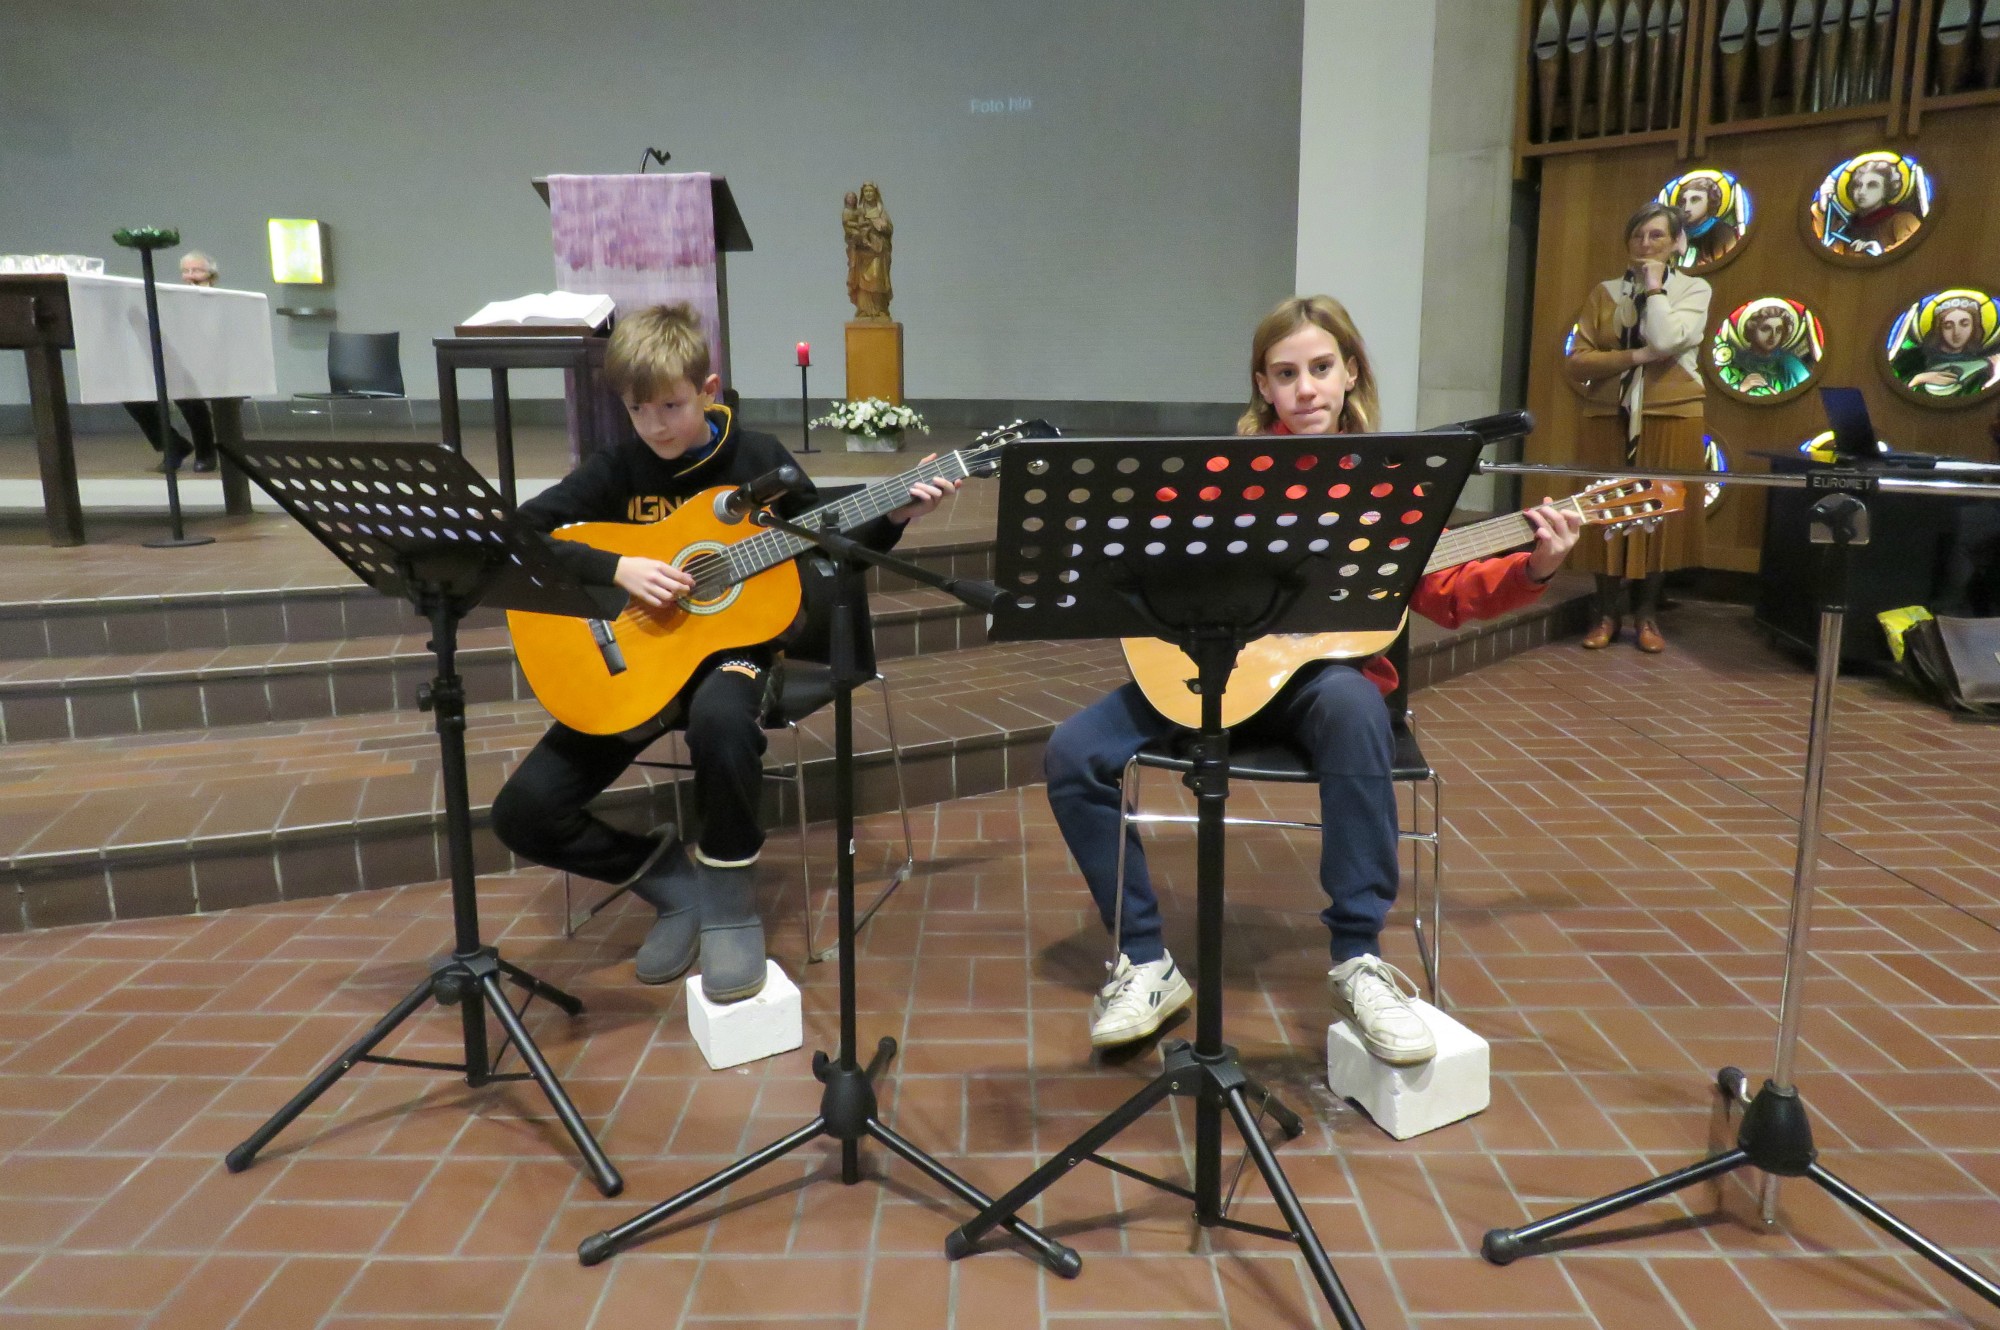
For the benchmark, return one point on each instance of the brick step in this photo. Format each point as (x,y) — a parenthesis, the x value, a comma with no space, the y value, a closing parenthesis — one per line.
(215,687)
(67,626)
(133,826)
(152,824)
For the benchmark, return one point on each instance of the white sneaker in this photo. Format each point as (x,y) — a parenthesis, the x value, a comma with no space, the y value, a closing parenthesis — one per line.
(1136,1001)
(1375,996)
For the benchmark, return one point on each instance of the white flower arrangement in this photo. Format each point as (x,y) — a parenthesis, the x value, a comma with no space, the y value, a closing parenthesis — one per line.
(872,418)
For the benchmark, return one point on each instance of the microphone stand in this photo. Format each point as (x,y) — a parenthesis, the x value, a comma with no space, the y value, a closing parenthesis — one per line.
(847,1109)
(1775,1136)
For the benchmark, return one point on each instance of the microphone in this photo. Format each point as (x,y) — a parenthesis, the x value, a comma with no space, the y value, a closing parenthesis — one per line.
(765,490)
(1491,429)
(659,155)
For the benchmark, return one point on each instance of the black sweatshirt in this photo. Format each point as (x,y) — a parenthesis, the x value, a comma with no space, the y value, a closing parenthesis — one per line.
(629,482)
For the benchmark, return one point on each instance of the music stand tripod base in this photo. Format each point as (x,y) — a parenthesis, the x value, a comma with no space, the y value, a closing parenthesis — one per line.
(1775,1136)
(847,1111)
(1208,543)
(415,521)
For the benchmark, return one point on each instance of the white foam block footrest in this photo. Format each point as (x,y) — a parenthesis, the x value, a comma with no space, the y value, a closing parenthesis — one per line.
(730,1034)
(1409,1101)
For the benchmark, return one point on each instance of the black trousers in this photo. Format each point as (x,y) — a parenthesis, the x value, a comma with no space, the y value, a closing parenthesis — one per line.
(542,813)
(200,422)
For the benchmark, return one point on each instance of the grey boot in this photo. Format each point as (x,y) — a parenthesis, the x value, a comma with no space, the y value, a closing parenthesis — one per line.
(732,933)
(670,886)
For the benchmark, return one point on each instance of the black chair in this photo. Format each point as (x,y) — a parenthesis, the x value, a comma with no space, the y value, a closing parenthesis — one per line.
(361,367)
(1287,763)
(803,688)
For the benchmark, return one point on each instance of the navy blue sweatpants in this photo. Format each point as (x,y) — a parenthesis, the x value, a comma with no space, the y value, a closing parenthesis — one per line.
(1337,716)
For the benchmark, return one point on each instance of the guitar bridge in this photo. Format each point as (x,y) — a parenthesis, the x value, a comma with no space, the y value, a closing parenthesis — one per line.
(607,645)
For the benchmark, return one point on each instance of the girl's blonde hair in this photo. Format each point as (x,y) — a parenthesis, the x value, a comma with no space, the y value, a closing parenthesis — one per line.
(1358,413)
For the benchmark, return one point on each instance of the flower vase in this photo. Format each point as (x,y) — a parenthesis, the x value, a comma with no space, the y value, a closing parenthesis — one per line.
(884,443)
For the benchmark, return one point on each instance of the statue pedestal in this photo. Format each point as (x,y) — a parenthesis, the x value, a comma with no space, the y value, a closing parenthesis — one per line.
(875,359)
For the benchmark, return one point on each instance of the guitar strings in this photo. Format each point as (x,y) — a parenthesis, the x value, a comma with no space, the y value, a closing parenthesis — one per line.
(767,549)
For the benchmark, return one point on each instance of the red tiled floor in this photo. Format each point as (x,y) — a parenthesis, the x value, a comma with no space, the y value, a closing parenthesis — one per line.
(1618,876)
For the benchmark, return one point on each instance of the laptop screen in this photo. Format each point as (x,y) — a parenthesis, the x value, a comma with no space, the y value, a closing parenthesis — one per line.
(1853,433)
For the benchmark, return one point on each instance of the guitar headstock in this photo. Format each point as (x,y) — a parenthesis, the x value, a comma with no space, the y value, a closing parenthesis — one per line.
(983,457)
(1619,505)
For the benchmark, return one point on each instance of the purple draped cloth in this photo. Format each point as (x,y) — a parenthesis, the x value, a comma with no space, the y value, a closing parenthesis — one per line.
(642,240)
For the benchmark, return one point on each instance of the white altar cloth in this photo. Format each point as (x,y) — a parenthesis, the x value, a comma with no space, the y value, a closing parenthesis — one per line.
(216,342)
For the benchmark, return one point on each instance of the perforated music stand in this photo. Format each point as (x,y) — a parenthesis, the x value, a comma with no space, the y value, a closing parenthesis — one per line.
(1209,543)
(415,521)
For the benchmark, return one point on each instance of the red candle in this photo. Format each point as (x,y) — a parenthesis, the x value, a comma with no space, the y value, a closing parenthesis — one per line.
(805,353)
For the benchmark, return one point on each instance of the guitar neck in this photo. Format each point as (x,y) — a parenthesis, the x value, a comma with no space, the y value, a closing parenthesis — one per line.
(768,549)
(1466,543)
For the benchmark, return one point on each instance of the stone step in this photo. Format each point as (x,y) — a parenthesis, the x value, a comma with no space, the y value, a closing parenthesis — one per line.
(131,826)
(151,824)
(313,609)
(205,687)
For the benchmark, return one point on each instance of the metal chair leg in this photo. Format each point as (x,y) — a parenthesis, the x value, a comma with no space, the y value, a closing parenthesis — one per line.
(805,856)
(1128,809)
(902,872)
(902,795)
(1427,840)
(1437,891)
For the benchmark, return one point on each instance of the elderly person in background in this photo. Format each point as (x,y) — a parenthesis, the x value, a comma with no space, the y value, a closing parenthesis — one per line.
(197,269)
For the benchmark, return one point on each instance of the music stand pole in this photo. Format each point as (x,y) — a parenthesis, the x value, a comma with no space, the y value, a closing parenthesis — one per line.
(1776,1133)
(371,531)
(847,1109)
(1207,543)
(146,239)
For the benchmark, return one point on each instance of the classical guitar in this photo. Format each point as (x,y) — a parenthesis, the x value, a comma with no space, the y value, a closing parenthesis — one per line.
(605,676)
(1165,674)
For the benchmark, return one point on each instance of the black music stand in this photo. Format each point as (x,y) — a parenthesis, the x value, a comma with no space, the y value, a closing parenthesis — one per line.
(847,1110)
(1209,543)
(1775,1136)
(415,521)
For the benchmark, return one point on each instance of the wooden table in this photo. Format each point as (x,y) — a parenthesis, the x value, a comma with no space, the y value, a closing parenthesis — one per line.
(35,319)
(582,355)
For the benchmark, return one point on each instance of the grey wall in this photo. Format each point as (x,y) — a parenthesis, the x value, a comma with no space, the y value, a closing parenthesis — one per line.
(1469,239)
(1112,236)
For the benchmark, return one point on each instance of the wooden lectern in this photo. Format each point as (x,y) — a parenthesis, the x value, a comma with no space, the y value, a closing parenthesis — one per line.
(643,240)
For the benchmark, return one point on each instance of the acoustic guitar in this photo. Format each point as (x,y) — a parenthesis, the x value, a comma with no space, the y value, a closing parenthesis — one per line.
(1166,674)
(606,676)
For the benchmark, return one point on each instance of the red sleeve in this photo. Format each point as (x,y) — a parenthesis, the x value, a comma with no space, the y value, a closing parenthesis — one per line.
(1481,589)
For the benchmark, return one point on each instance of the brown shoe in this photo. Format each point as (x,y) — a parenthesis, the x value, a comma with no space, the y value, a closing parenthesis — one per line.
(1601,636)
(1648,639)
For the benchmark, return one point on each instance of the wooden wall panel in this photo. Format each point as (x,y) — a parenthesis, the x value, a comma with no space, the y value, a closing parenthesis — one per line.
(1586,197)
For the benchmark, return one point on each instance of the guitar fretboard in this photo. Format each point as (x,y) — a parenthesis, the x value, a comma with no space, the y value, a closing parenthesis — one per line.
(1466,543)
(767,549)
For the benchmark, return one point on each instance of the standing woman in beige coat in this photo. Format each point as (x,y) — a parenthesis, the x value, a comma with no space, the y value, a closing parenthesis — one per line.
(1634,357)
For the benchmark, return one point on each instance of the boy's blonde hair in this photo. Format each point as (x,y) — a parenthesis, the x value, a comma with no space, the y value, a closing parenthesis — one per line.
(653,349)
(1358,413)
